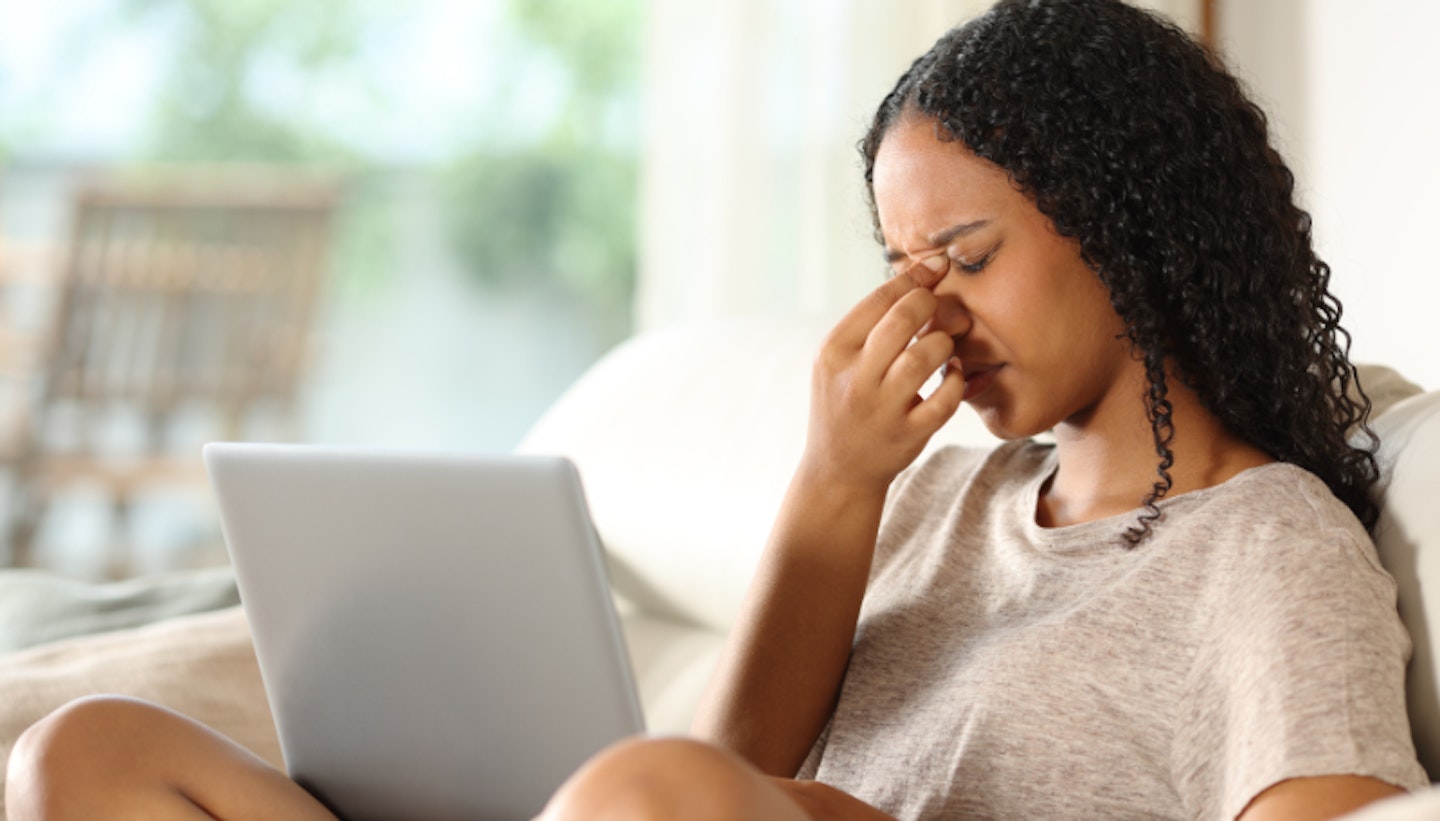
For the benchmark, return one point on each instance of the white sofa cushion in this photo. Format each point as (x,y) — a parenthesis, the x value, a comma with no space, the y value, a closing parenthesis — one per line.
(672,664)
(683,471)
(1409,434)
(38,607)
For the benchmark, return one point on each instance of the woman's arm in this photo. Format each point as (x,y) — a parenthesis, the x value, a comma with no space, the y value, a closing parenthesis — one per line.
(780,672)
(1316,799)
(778,677)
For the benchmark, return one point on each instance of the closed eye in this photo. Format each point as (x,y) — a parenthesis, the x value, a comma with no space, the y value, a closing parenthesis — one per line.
(974,266)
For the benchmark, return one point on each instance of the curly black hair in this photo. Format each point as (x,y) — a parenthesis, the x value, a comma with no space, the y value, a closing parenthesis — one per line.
(1136,142)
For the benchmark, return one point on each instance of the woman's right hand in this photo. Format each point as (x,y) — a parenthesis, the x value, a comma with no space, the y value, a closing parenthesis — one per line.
(867,420)
(777,680)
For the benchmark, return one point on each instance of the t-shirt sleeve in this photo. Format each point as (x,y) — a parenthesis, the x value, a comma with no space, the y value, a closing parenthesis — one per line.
(1299,670)
(914,497)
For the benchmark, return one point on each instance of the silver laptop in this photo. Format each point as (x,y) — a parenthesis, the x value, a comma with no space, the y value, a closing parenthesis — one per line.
(435,631)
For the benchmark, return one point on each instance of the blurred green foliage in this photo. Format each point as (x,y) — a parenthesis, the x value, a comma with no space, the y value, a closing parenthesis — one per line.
(558,211)
(547,216)
(206,109)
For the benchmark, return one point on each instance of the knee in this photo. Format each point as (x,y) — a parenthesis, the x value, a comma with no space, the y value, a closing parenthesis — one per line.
(658,779)
(92,725)
(79,740)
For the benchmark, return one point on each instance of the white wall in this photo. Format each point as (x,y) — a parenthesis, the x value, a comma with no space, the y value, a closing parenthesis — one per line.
(751,198)
(1352,89)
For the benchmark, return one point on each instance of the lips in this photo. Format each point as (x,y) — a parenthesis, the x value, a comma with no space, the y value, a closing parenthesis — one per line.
(978,378)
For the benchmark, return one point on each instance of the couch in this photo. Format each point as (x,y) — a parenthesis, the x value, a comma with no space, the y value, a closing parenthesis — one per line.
(685,439)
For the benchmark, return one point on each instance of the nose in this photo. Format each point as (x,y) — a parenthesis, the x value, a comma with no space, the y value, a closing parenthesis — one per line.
(952,315)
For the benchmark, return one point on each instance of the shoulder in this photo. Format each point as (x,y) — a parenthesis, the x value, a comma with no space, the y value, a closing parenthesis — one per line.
(1289,580)
(1299,653)
(1274,492)
(1279,521)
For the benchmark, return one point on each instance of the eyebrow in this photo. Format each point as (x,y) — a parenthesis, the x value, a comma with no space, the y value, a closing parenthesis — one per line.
(941,238)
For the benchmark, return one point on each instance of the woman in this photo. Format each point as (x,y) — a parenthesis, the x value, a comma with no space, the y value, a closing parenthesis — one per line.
(1174,611)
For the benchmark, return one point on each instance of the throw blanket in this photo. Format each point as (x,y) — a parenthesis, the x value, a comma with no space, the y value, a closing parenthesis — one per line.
(37,607)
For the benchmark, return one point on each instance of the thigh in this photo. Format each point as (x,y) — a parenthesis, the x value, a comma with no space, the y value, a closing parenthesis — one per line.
(671,778)
(116,757)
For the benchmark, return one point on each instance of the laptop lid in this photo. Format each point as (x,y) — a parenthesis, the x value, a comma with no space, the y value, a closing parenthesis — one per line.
(435,631)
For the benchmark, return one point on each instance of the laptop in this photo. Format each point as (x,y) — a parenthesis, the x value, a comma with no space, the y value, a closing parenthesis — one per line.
(435,631)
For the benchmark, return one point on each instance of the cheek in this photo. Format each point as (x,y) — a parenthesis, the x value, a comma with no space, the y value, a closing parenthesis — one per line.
(1091,305)
(1024,308)
(1096,342)
(1061,320)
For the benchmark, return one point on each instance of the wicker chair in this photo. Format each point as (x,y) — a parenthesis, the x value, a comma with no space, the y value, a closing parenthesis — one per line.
(183,308)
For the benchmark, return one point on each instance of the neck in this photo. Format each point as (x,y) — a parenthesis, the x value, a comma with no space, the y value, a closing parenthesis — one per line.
(1109,463)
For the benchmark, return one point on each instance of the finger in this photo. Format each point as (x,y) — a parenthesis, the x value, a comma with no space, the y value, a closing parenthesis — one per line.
(930,414)
(895,333)
(914,366)
(854,328)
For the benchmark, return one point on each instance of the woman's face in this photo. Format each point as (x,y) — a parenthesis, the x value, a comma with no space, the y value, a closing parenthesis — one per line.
(1033,325)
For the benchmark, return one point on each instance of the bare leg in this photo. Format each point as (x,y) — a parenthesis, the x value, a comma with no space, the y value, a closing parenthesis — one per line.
(120,758)
(672,778)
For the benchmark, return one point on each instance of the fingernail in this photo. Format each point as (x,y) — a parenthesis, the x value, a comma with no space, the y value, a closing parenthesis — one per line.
(937,263)
(931,270)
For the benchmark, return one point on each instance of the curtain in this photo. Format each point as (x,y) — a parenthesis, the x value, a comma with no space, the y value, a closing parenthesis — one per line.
(751,197)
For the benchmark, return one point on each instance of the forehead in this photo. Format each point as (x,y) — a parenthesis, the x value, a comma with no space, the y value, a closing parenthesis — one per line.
(923,183)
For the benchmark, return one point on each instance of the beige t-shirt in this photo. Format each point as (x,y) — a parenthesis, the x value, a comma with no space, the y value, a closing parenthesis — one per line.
(1009,671)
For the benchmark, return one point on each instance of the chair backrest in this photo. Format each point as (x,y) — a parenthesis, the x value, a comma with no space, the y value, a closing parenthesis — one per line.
(182,289)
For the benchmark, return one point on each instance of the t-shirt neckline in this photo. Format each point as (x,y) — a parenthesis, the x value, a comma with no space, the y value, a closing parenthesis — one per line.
(1109,532)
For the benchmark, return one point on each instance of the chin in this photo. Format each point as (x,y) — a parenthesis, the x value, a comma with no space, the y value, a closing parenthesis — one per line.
(1006,427)
(1000,428)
